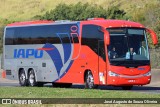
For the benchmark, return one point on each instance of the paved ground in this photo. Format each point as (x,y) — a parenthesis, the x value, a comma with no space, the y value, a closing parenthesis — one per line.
(155,79)
(153,87)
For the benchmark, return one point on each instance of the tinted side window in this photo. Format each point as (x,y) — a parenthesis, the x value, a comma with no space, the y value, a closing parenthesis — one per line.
(23,35)
(92,31)
(54,34)
(9,36)
(90,36)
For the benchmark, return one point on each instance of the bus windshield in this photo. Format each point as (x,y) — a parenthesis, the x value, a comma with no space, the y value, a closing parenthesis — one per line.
(128,47)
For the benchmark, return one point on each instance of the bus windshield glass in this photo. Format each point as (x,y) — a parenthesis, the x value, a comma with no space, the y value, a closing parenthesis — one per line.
(128,47)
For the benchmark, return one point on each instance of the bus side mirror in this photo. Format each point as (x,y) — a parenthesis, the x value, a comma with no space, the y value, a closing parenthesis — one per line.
(153,36)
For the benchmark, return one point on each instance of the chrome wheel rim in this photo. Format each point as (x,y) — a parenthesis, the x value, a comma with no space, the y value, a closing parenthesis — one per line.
(90,81)
(31,79)
(22,78)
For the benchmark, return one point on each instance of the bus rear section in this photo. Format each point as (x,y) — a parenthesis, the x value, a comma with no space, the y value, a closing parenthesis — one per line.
(40,53)
(94,52)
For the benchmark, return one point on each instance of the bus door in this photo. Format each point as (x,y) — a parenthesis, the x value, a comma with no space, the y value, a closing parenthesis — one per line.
(101,61)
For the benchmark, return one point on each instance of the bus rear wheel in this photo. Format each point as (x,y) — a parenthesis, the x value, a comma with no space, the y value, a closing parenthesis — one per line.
(89,81)
(31,78)
(22,78)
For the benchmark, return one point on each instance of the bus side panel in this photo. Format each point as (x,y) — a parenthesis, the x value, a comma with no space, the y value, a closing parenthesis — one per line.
(87,60)
(10,65)
(11,69)
(16,58)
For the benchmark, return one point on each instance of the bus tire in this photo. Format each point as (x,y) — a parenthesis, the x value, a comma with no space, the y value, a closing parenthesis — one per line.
(127,87)
(22,78)
(89,81)
(31,78)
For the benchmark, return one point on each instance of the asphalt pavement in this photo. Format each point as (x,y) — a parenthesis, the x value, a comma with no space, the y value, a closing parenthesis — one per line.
(153,87)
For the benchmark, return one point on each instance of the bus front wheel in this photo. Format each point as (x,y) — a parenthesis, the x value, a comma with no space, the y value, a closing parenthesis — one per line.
(89,81)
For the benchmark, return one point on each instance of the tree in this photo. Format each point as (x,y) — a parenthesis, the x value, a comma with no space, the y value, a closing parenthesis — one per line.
(115,13)
(150,17)
(82,11)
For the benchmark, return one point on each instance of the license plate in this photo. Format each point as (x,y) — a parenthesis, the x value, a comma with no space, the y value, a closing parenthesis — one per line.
(131,80)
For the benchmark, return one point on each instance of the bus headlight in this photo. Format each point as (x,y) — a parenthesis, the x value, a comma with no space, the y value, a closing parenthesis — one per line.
(110,73)
(147,74)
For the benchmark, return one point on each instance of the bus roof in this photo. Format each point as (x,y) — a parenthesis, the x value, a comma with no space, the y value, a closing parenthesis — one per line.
(96,21)
(30,23)
(114,23)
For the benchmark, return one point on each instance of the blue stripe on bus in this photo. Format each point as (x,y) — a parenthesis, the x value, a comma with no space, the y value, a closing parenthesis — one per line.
(66,47)
(71,62)
(55,56)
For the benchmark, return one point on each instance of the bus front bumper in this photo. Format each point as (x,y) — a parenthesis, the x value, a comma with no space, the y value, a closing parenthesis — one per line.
(123,80)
